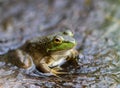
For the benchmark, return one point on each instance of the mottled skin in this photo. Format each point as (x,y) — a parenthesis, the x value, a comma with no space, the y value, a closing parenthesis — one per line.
(48,53)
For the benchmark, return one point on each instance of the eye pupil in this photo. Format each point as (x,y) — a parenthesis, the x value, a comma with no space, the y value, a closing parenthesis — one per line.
(57,40)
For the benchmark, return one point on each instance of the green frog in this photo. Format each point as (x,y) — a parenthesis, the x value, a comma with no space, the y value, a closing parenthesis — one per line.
(47,53)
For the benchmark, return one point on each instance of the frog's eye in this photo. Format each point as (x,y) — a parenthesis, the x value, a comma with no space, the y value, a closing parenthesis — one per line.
(58,40)
(68,32)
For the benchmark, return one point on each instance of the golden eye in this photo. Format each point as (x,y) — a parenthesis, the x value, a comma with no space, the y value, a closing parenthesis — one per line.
(58,40)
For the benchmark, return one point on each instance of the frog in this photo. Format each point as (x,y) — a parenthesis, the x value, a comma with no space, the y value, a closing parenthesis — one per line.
(47,53)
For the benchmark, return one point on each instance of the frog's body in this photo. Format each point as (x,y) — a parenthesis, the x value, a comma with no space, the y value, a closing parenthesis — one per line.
(49,52)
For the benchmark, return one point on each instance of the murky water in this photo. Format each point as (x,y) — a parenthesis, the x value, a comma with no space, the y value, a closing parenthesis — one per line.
(95,24)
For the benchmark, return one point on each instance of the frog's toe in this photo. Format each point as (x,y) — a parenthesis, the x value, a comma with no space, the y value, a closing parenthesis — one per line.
(57,68)
(58,72)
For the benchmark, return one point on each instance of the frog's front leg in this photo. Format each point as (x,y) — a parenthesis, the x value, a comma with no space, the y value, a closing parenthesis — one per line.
(41,65)
(73,57)
(45,67)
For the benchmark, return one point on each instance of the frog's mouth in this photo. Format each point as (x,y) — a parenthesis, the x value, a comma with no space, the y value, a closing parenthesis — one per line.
(59,52)
(62,47)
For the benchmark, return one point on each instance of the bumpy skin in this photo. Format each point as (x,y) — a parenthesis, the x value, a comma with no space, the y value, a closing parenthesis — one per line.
(48,53)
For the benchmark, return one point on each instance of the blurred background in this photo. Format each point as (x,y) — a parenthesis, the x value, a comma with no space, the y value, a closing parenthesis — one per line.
(96,27)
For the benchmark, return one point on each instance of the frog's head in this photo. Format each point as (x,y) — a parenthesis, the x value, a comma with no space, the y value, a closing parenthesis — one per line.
(61,41)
